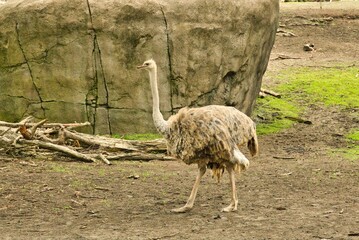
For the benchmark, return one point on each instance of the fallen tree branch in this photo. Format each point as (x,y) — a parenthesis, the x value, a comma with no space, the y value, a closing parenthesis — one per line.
(59,148)
(48,125)
(158,145)
(141,157)
(100,141)
(272,93)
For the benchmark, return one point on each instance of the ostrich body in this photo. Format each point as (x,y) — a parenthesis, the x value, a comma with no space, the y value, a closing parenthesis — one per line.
(208,136)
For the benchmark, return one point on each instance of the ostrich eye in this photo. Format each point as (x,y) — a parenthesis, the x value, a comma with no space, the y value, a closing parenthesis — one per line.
(147,64)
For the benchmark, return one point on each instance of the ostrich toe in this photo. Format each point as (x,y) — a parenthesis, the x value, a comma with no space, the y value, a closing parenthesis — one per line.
(230,208)
(181,209)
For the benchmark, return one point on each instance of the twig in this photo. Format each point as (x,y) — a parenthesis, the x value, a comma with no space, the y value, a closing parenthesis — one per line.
(33,128)
(284,57)
(104,159)
(3,133)
(298,120)
(141,157)
(16,140)
(287,158)
(25,120)
(286,33)
(262,94)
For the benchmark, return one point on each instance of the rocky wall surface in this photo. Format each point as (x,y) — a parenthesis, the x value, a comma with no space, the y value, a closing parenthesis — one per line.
(76,60)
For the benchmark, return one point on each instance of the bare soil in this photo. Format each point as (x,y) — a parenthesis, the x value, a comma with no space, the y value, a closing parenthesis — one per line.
(298,188)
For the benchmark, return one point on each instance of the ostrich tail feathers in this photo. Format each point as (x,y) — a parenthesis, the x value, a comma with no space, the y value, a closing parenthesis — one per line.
(253,146)
(244,164)
(217,170)
(240,160)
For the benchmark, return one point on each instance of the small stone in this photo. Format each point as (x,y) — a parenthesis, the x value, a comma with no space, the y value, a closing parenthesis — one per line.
(308,47)
(134,177)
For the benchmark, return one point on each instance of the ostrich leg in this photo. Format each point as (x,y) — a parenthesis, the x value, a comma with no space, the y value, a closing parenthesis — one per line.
(234,202)
(192,197)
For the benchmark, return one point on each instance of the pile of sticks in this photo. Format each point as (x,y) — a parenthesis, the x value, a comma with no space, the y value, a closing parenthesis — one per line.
(62,138)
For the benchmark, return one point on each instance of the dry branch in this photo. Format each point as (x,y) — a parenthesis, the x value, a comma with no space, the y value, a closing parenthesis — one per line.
(36,125)
(3,133)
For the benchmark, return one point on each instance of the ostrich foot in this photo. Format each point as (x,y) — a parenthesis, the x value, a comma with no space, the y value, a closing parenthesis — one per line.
(231,208)
(182,209)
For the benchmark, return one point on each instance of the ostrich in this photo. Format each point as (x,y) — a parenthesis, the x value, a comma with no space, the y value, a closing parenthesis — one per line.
(208,136)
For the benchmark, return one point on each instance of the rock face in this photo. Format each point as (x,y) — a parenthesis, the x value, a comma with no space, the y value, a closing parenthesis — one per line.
(76,60)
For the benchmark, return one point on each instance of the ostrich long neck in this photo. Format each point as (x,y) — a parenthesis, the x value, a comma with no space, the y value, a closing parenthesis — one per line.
(160,123)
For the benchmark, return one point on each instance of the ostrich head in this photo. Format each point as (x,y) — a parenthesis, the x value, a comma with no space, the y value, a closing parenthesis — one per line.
(148,65)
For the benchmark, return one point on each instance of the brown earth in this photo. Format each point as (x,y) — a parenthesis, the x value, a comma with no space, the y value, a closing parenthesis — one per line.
(296,189)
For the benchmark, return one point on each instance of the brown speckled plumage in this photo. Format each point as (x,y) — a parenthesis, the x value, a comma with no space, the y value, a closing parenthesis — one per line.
(209,134)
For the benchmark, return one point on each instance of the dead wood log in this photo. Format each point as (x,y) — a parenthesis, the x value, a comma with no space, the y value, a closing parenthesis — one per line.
(59,148)
(104,142)
(157,146)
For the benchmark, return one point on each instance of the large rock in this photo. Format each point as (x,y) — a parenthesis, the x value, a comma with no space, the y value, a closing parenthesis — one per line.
(76,60)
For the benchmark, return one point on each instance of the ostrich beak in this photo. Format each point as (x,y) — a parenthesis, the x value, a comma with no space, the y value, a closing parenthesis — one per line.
(141,66)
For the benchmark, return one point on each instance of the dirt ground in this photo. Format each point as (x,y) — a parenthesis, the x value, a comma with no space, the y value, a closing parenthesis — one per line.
(296,189)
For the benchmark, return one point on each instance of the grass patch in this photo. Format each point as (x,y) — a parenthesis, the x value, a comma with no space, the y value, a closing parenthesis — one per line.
(60,169)
(331,86)
(274,111)
(352,152)
(301,87)
(353,135)
(139,137)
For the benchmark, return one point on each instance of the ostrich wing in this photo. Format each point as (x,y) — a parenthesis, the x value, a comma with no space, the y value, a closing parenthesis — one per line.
(208,132)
